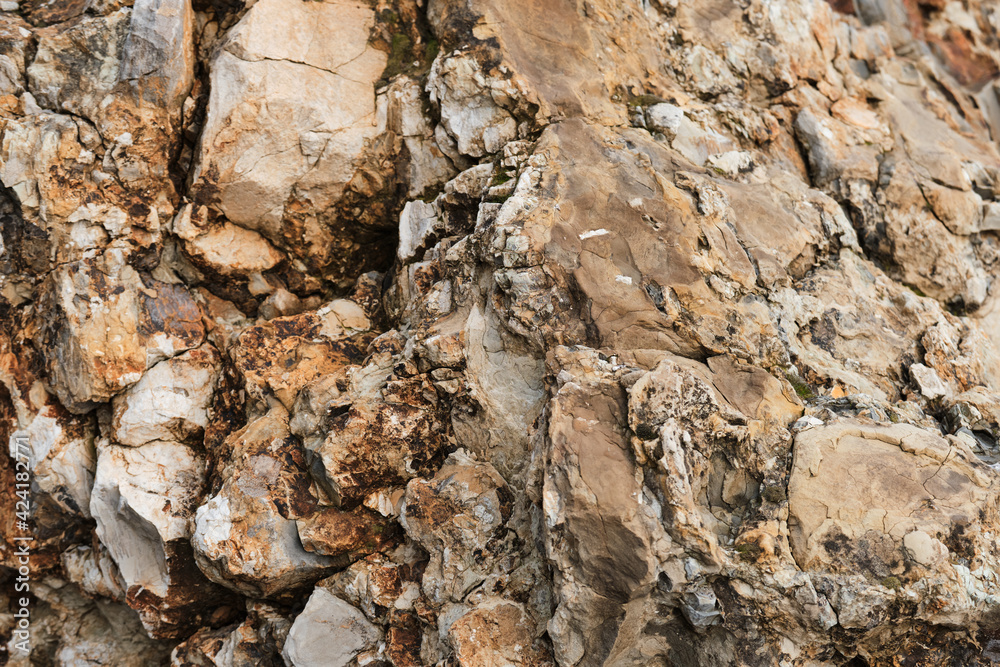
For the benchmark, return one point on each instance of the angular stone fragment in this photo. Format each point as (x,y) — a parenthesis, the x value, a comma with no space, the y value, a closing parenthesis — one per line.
(833,151)
(113,326)
(64,76)
(60,451)
(78,630)
(143,501)
(95,571)
(928,382)
(332,532)
(170,402)
(376,586)
(597,529)
(140,504)
(858,492)
(465,506)
(204,648)
(224,247)
(47,161)
(158,56)
(245,535)
(418,222)
(328,633)
(12,54)
(390,434)
(258,163)
(256,641)
(126,73)
(478,124)
(285,354)
(496,632)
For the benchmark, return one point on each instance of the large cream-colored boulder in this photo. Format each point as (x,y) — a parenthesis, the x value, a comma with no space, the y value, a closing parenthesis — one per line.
(291,107)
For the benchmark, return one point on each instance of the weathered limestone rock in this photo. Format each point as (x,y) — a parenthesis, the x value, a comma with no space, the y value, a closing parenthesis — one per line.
(328,632)
(598,532)
(391,433)
(224,247)
(332,532)
(121,80)
(376,586)
(470,114)
(928,381)
(143,501)
(170,402)
(255,641)
(482,332)
(505,378)
(12,58)
(245,535)
(112,327)
(94,570)
(59,446)
(466,506)
(285,354)
(854,328)
(638,300)
(143,56)
(496,630)
(134,484)
(706,440)
(40,160)
(204,647)
(78,630)
(273,166)
(899,482)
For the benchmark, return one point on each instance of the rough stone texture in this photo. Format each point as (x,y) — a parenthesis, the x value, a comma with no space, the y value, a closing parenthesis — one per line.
(281,356)
(293,119)
(496,631)
(495,332)
(245,535)
(333,532)
(107,327)
(900,491)
(328,632)
(143,502)
(170,402)
(466,506)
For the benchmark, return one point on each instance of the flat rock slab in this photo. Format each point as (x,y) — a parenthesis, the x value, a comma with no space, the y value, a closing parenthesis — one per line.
(859,491)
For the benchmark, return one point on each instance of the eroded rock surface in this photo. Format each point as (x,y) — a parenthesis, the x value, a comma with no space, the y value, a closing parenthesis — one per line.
(482,332)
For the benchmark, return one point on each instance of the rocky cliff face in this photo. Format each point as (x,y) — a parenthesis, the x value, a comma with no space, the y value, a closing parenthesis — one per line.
(483,333)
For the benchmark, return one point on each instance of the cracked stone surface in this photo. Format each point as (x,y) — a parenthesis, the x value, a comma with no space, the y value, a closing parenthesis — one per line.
(494,332)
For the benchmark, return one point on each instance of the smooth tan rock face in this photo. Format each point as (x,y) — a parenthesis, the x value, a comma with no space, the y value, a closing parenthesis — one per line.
(903,484)
(483,333)
(893,503)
